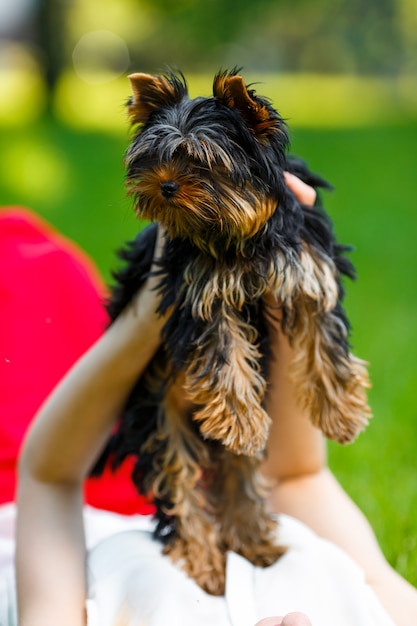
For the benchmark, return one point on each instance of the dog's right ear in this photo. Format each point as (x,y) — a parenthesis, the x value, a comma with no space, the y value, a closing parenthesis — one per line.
(150,93)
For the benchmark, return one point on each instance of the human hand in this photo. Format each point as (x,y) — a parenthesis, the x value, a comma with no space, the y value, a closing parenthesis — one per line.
(157,255)
(291,619)
(156,237)
(303,192)
(145,304)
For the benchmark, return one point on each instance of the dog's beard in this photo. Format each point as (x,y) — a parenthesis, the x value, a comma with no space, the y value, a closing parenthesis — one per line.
(206,211)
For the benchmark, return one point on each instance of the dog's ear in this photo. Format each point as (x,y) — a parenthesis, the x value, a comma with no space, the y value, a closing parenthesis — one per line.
(260,117)
(150,93)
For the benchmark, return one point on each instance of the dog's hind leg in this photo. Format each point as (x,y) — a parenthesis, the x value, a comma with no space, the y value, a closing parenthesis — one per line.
(245,525)
(180,488)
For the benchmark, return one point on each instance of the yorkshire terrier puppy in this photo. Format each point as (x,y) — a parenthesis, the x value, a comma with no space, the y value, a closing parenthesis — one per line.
(211,172)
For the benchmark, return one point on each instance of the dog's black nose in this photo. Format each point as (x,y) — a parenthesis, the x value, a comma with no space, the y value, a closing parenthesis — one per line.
(169,188)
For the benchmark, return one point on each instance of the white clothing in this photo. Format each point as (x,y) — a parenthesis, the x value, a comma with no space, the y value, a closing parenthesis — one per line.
(130,583)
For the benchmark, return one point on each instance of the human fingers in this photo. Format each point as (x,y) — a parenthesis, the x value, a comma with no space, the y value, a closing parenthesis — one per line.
(295,619)
(159,243)
(291,619)
(270,621)
(303,192)
(149,294)
(157,254)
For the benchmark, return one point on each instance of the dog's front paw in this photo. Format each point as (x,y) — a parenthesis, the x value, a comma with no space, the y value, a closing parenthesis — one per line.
(228,386)
(331,382)
(242,428)
(342,410)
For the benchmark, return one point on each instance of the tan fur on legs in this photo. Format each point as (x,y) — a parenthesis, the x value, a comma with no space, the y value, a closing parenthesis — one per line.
(306,275)
(196,550)
(224,377)
(218,500)
(246,527)
(236,499)
(332,384)
(181,479)
(229,392)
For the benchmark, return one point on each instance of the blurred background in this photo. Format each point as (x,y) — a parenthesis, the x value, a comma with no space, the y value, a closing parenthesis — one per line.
(343,73)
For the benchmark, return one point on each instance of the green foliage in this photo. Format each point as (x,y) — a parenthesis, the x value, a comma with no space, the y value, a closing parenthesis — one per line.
(285,35)
(97,38)
(376,36)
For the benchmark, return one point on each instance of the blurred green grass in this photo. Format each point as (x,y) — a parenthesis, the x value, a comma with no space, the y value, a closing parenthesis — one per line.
(74,178)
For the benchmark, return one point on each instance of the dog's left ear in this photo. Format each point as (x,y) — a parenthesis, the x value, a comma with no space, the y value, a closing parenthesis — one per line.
(150,93)
(231,91)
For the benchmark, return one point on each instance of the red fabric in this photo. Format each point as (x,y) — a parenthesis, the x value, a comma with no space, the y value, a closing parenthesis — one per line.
(50,313)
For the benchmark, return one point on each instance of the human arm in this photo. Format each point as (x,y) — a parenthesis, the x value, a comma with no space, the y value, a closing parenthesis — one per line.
(305,488)
(61,446)
(318,500)
(295,447)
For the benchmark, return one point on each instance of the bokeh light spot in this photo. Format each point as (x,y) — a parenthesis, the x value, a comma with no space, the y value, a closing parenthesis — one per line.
(100,56)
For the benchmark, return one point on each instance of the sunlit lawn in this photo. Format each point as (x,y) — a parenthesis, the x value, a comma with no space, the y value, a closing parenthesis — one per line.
(74,178)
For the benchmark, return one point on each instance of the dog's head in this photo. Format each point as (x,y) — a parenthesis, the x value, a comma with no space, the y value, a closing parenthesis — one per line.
(208,169)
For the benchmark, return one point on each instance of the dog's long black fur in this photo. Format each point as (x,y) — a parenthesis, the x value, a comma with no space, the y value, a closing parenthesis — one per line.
(139,418)
(232,143)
